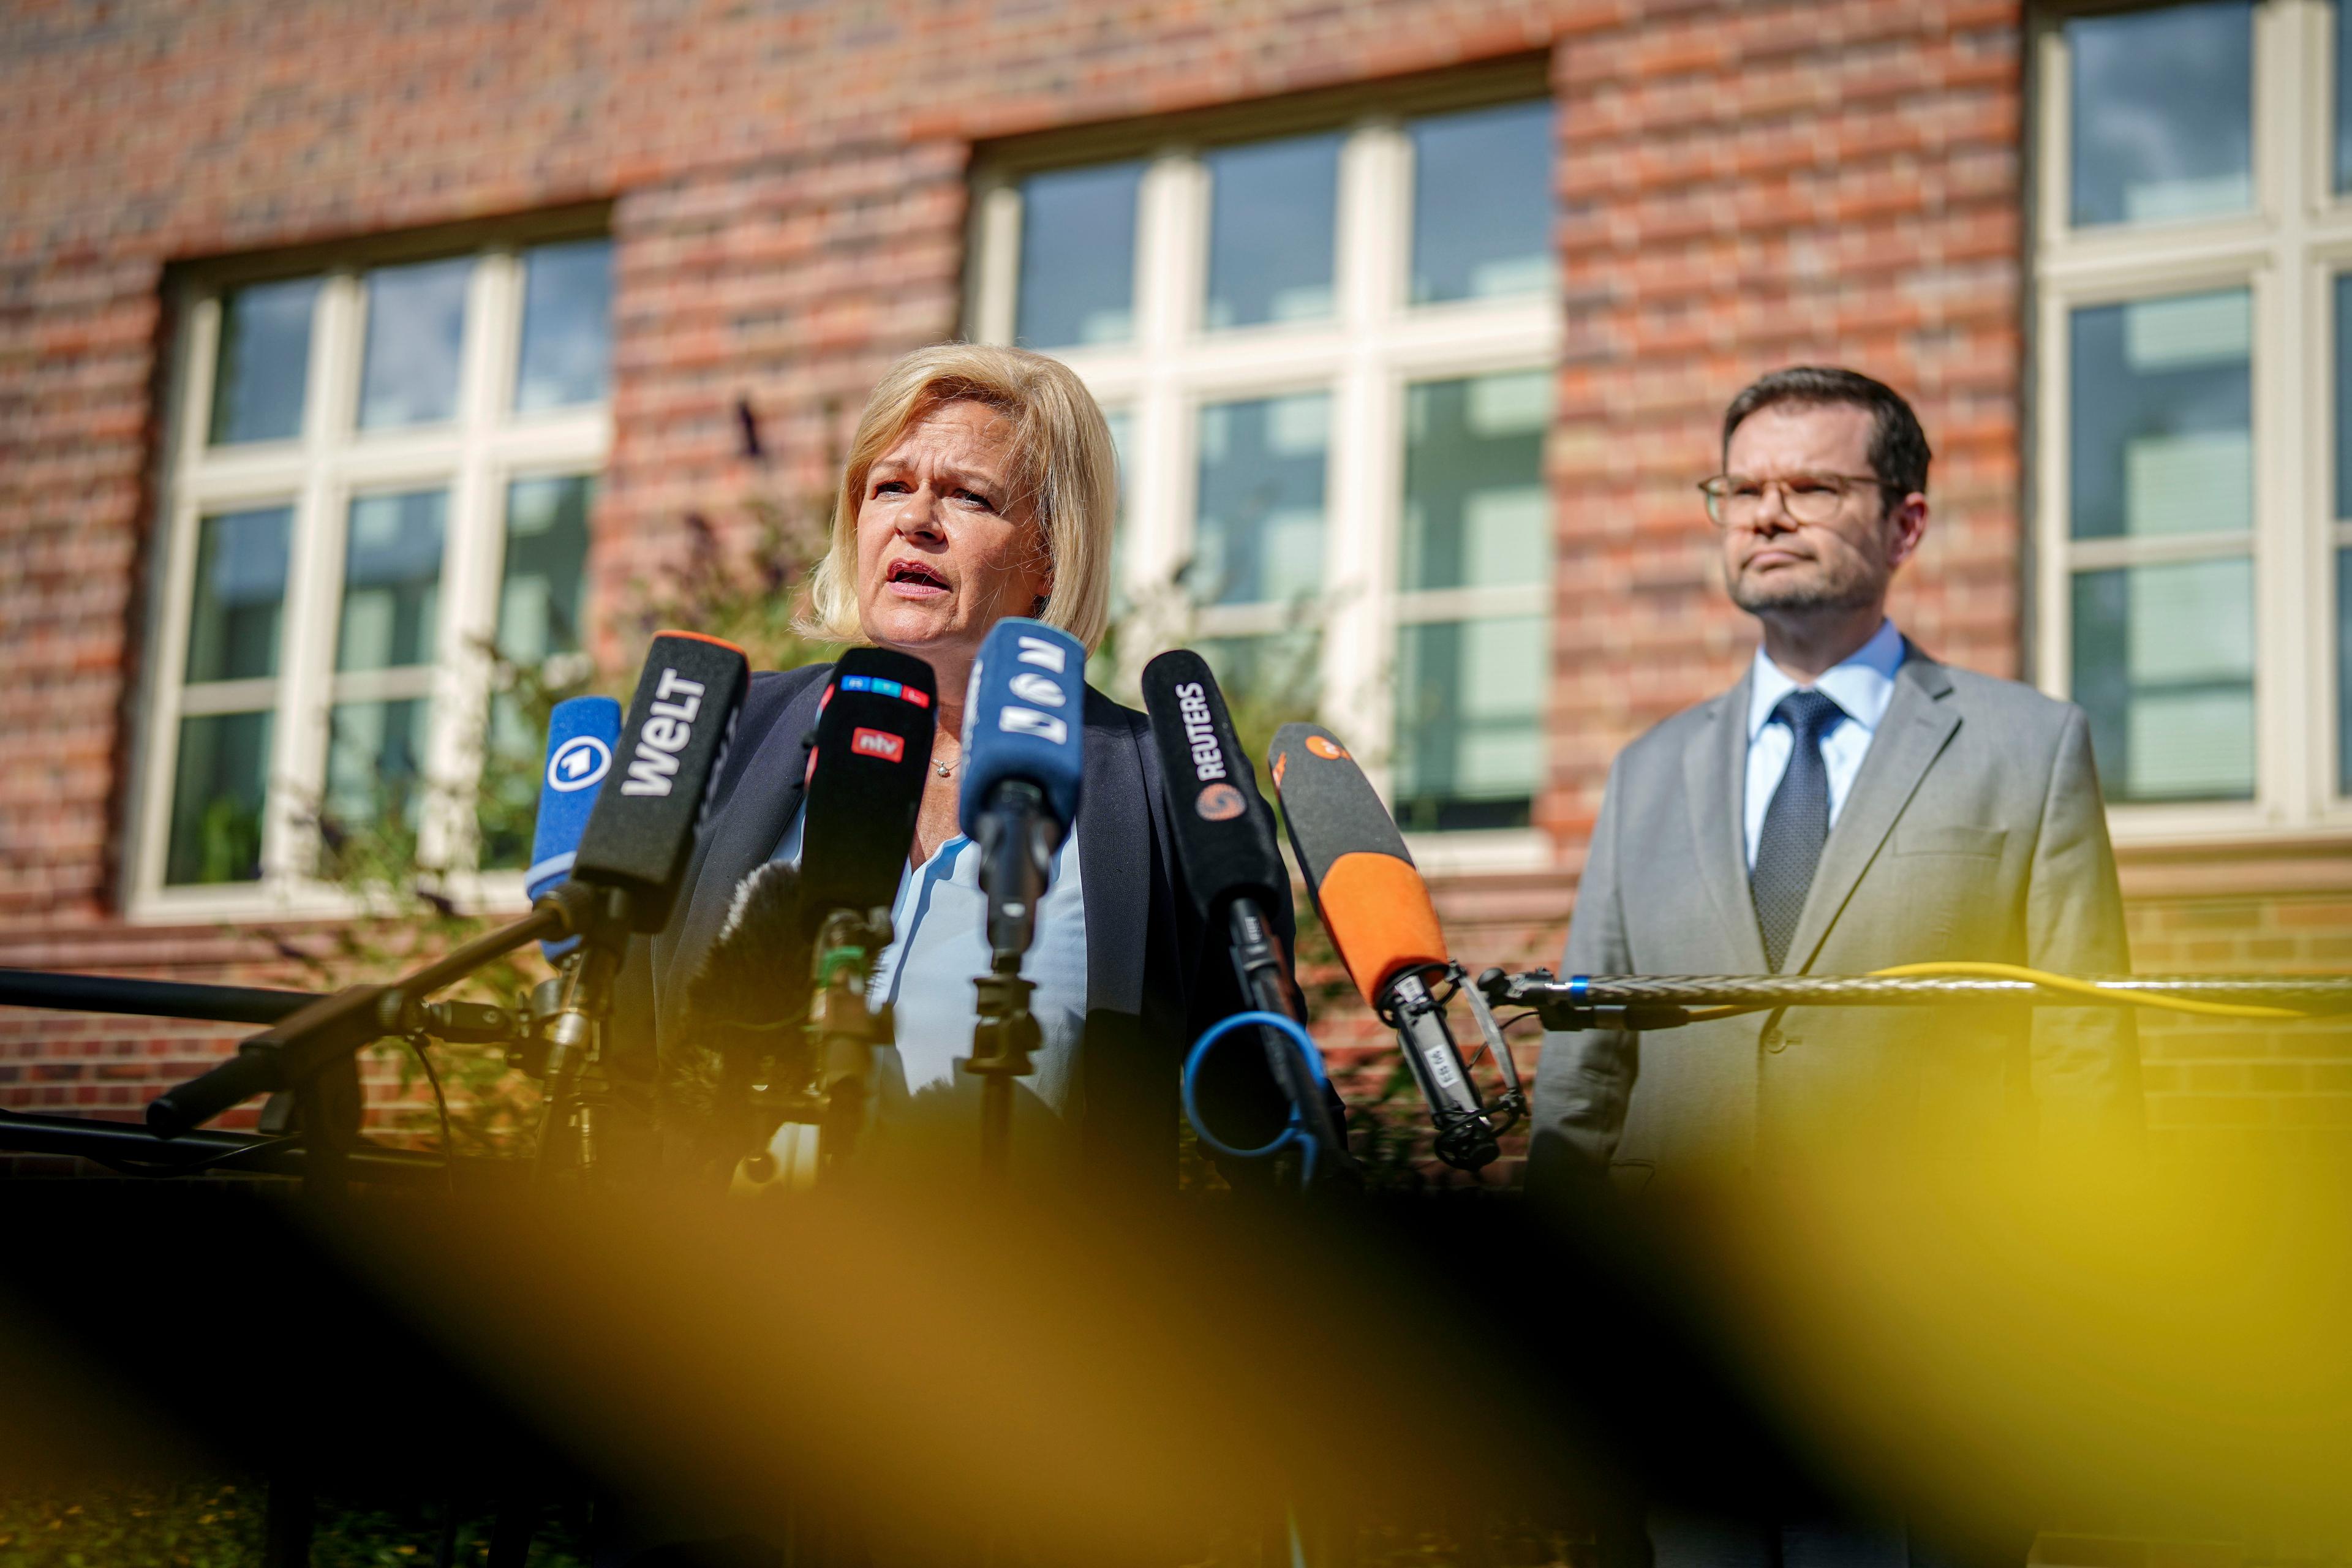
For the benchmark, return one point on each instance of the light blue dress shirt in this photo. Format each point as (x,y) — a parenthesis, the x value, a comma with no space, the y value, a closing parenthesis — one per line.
(1863,684)
(939,925)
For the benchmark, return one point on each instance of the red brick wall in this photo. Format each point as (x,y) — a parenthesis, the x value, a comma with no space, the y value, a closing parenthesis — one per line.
(1742,186)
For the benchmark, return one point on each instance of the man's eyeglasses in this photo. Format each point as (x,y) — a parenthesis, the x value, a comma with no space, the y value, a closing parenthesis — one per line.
(1736,500)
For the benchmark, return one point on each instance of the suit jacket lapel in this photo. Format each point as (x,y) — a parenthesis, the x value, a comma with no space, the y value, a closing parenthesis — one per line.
(1715,770)
(1918,726)
(1114,829)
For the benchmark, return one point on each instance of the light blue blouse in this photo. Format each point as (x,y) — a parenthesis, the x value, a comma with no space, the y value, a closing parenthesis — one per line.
(940,923)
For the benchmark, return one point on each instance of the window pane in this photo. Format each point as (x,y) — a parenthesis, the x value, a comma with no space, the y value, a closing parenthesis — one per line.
(375,761)
(567,325)
(1077,256)
(1475,507)
(2164,663)
(2343,102)
(1482,202)
(540,589)
(239,593)
(1272,208)
(2163,112)
(1267,682)
(1260,531)
(2344,671)
(2161,416)
(416,321)
(391,580)
(217,790)
(1469,722)
(264,362)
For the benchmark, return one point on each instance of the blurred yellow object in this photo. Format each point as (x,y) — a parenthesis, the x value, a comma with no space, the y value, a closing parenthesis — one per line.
(2083,987)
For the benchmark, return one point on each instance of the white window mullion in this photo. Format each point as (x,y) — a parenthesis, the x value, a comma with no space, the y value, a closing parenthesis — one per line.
(1172,222)
(1359,636)
(451,764)
(313,589)
(996,251)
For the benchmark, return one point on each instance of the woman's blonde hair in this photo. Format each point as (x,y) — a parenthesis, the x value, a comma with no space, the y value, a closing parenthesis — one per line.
(1065,469)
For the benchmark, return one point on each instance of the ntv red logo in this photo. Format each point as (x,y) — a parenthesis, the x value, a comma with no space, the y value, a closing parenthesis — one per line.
(880,743)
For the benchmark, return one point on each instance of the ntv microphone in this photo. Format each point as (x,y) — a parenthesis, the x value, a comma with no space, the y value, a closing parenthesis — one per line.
(1234,874)
(1377,909)
(1024,756)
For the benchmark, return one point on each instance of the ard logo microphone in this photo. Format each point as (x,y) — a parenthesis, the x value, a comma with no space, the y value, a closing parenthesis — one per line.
(581,735)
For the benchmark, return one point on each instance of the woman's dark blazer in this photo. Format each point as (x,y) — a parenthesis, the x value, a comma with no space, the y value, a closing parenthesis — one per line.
(1153,980)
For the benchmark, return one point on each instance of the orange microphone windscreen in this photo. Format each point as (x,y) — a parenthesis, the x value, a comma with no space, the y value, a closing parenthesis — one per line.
(1377,909)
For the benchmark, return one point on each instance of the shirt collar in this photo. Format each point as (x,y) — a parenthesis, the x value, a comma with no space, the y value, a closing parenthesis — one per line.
(1863,683)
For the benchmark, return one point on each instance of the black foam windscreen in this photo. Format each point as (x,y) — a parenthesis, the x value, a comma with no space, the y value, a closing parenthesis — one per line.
(653,801)
(873,732)
(1329,807)
(1223,828)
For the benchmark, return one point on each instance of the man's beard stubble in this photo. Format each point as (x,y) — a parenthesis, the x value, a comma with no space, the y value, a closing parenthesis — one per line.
(1804,592)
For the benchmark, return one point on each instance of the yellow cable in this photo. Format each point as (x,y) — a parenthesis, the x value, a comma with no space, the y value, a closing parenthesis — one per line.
(2083,987)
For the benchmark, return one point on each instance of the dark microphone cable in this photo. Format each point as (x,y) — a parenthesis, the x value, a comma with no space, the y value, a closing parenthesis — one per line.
(1226,851)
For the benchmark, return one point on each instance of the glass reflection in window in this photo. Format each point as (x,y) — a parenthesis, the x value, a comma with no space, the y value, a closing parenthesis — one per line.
(375,762)
(219,787)
(2161,416)
(1077,256)
(1273,207)
(1259,535)
(263,364)
(567,325)
(1475,512)
(1469,723)
(391,580)
(540,590)
(2164,664)
(416,326)
(240,595)
(1482,202)
(2163,113)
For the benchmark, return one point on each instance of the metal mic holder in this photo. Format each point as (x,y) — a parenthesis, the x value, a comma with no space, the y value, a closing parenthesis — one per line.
(1470,1126)
(823,1074)
(1669,1001)
(1003,1036)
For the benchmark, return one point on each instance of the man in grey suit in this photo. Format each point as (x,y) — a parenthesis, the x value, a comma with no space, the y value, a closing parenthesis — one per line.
(1850,805)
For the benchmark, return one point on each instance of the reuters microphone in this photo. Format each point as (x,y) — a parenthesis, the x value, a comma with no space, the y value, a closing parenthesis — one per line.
(1378,910)
(1234,872)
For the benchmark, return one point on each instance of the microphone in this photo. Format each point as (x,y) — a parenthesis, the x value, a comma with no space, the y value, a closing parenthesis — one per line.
(1225,850)
(657,791)
(1024,753)
(580,734)
(1373,902)
(864,783)
(1024,756)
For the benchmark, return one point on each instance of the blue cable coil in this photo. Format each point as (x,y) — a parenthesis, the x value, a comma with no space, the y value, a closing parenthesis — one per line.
(1296,1132)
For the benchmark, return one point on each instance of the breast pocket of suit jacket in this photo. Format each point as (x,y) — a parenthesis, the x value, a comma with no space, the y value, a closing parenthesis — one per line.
(1950,874)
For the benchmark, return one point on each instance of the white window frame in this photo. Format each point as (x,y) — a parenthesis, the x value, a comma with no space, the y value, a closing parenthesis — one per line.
(1374,345)
(2286,253)
(475,456)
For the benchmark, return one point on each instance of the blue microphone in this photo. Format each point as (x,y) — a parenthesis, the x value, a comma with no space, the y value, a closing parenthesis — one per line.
(580,736)
(1024,754)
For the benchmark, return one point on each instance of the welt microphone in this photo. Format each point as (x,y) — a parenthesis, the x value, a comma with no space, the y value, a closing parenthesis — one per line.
(642,828)
(1377,909)
(1225,850)
(1024,754)
(582,733)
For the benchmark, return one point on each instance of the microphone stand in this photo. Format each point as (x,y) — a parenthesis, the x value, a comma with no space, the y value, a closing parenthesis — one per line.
(828,1085)
(1017,839)
(292,1053)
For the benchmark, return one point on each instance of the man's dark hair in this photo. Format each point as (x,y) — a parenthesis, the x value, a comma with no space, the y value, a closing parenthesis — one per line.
(1898,447)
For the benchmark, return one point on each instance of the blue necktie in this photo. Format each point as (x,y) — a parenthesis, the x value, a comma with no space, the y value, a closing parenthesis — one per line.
(1795,824)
